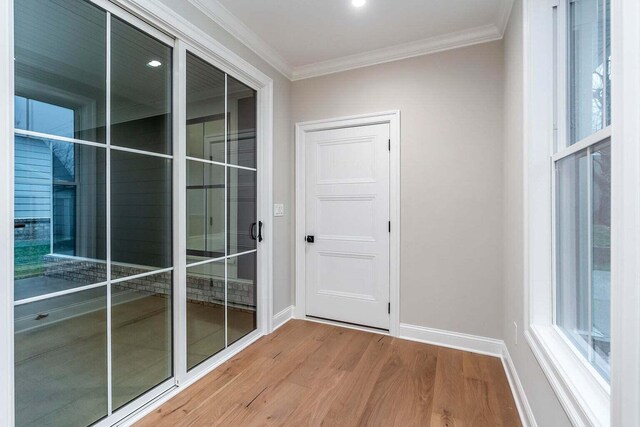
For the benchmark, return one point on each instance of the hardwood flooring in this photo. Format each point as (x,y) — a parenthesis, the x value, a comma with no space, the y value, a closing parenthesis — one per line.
(308,373)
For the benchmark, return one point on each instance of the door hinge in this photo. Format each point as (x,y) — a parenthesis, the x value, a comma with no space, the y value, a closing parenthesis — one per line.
(389,144)
(389,226)
(389,308)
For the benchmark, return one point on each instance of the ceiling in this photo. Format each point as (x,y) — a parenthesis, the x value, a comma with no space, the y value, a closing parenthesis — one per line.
(304,38)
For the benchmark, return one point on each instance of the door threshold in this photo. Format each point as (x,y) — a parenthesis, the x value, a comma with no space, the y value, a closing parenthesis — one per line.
(347,325)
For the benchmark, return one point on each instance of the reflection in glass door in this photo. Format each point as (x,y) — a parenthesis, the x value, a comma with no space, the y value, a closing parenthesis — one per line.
(221,210)
(93,212)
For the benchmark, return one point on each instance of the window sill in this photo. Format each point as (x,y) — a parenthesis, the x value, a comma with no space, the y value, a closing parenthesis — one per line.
(584,394)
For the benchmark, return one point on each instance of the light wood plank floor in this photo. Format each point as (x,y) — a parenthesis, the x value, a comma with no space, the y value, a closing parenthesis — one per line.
(314,374)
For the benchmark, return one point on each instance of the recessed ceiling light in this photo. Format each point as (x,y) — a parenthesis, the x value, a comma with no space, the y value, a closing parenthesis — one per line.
(358,3)
(154,64)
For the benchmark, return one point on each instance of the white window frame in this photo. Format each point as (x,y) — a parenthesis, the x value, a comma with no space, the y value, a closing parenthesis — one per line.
(166,25)
(586,397)
(584,394)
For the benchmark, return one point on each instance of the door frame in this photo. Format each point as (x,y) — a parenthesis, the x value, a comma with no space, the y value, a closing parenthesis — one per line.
(392,118)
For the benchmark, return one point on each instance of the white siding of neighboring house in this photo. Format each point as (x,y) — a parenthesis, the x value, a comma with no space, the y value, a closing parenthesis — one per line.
(32,179)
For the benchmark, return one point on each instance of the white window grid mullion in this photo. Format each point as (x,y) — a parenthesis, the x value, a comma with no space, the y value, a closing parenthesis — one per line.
(108,218)
(590,253)
(554,242)
(51,137)
(51,295)
(41,135)
(583,144)
(561,73)
(140,275)
(222,258)
(143,152)
(180,209)
(206,261)
(604,64)
(239,254)
(213,162)
(226,210)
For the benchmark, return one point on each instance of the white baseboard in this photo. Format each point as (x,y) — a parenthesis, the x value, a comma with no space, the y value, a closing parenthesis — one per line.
(456,340)
(476,344)
(524,409)
(283,317)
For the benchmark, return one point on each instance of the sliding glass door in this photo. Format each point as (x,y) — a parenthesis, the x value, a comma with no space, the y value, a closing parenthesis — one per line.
(93,212)
(135,221)
(221,210)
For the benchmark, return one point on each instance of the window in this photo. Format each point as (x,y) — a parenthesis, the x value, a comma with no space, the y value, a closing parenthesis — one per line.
(569,165)
(582,175)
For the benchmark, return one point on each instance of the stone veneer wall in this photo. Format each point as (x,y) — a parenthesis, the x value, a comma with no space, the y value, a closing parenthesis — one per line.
(32,229)
(201,290)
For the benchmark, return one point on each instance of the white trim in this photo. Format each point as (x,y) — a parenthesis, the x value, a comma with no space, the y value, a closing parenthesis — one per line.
(283,317)
(625,219)
(234,26)
(524,409)
(393,119)
(469,37)
(449,339)
(6,212)
(566,373)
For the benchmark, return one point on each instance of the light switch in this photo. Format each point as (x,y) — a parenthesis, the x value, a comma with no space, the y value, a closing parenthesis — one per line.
(278,209)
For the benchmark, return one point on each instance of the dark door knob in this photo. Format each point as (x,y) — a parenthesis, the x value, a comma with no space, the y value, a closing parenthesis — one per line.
(310,239)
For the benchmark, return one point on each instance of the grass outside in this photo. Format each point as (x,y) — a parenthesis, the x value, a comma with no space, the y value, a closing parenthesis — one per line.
(29,258)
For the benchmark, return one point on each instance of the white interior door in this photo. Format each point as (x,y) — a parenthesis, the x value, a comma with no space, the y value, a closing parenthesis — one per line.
(347,213)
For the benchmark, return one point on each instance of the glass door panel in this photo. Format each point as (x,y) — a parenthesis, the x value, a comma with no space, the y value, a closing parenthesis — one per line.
(221,210)
(141,332)
(61,359)
(242,227)
(241,296)
(93,213)
(205,311)
(205,210)
(141,212)
(241,141)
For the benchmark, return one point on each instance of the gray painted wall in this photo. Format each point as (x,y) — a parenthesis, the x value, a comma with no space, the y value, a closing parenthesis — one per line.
(451,183)
(545,405)
(283,165)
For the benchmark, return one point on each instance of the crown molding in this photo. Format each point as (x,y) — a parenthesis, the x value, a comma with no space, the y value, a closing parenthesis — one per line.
(503,15)
(230,23)
(483,34)
(234,26)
